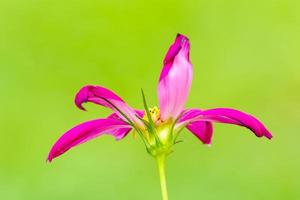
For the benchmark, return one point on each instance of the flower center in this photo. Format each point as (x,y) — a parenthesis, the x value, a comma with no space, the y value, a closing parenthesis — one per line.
(155,115)
(157,133)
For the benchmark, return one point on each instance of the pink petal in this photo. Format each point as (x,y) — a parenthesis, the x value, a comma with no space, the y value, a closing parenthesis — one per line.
(175,79)
(122,132)
(202,130)
(100,95)
(87,131)
(227,116)
(139,113)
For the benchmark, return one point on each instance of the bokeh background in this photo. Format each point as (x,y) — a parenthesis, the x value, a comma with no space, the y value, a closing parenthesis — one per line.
(245,55)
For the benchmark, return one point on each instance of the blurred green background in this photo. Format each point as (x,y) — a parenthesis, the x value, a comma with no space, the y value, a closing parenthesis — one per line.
(245,55)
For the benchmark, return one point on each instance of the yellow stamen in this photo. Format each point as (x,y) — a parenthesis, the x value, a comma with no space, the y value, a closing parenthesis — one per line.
(154,113)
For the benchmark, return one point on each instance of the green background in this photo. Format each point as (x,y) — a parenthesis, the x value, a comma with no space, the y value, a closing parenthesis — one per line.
(245,55)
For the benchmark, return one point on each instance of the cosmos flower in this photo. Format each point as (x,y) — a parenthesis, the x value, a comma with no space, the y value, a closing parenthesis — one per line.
(158,127)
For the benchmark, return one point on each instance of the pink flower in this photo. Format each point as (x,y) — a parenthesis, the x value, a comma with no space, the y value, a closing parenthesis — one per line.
(157,127)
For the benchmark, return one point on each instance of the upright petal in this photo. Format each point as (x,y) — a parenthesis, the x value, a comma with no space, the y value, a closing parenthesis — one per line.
(227,116)
(87,131)
(175,79)
(102,96)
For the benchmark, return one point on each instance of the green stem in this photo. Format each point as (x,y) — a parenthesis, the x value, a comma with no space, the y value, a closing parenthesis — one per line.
(160,159)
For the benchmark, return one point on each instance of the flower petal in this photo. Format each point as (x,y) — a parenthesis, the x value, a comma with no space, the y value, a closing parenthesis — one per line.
(227,116)
(175,79)
(87,131)
(122,132)
(102,96)
(202,130)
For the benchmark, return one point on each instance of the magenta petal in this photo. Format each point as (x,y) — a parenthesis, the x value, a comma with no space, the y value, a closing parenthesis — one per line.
(139,113)
(228,116)
(202,130)
(100,95)
(87,92)
(87,131)
(175,79)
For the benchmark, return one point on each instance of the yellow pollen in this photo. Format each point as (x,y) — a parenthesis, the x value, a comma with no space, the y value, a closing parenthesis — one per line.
(154,113)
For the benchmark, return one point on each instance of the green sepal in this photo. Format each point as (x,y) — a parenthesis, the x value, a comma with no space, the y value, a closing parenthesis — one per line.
(151,127)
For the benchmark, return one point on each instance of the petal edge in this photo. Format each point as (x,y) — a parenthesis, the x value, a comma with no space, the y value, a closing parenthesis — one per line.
(87,131)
